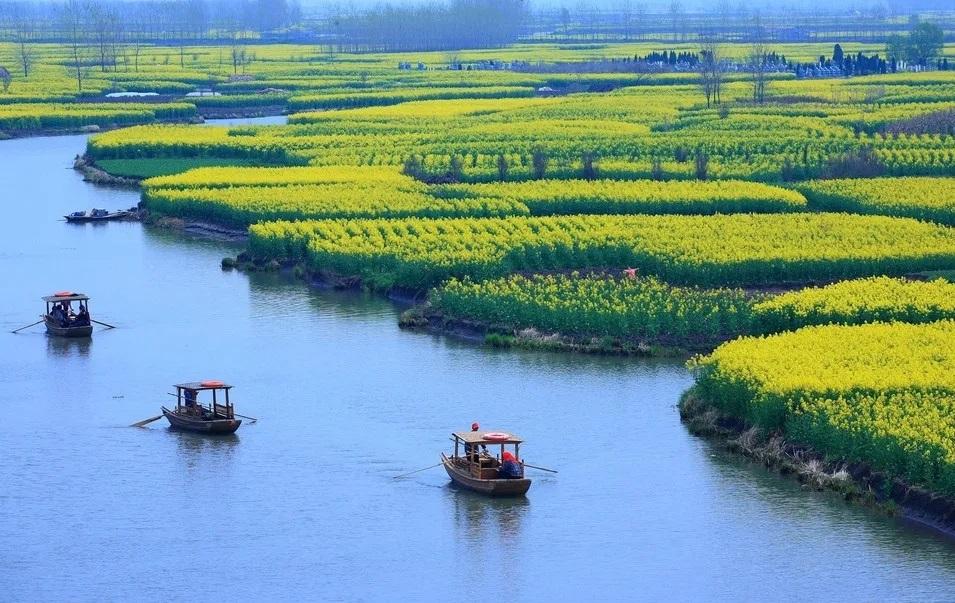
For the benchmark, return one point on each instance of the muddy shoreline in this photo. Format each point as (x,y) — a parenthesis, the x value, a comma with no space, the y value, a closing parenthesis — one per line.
(855,482)
(425,319)
(92,173)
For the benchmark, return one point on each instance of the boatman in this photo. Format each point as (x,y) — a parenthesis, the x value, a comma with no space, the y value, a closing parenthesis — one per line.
(476,448)
(190,395)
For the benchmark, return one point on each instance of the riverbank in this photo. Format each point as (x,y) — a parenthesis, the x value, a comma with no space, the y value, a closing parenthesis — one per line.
(249,112)
(424,318)
(855,482)
(207,230)
(92,173)
(89,129)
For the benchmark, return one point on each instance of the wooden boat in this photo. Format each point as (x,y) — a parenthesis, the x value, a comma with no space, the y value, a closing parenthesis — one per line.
(471,466)
(191,415)
(97,215)
(60,320)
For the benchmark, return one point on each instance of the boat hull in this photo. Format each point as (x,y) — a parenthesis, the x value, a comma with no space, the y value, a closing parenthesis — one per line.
(83,219)
(488,487)
(212,426)
(56,330)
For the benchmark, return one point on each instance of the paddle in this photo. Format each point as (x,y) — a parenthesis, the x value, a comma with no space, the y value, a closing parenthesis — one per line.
(417,471)
(541,468)
(102,323)
(146,421)
(28,326)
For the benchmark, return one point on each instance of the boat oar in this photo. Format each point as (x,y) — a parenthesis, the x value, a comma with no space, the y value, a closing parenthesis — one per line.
(146,421)
(541,468)
(102,323)
(28,326)
(418,470)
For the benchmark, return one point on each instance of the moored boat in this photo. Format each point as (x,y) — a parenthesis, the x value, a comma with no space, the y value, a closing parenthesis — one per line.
(98,215)
(60,319)
(473,467)
(191,415)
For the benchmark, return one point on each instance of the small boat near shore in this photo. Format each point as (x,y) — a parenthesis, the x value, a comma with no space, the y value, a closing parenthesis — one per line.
(61,321)
(99,215)
(471,466)
(191,415)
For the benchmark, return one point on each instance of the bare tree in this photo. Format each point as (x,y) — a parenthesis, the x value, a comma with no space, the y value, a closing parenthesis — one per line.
(711,72)
(5,78)
(678,20)
(239,56)
(759,66)
(73,14)
(640,17)
(105,29)
(24,30)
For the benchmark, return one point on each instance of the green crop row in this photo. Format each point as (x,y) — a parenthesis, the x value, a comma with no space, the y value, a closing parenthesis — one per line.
(740,249)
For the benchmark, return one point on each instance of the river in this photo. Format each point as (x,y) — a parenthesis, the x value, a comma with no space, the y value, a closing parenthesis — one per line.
(302,504)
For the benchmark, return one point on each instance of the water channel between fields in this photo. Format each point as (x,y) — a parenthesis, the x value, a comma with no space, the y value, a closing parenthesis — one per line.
(303,504)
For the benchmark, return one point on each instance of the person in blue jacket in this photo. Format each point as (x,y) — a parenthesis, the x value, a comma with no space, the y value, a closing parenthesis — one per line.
(510,468)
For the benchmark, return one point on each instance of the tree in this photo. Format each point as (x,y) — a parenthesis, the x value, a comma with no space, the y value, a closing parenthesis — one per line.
(105,26)
(678,20)
(5,79)
(896,48)
(23,34)
(759,66)
(925,43)
(711,72)
(73,16)
(837,55)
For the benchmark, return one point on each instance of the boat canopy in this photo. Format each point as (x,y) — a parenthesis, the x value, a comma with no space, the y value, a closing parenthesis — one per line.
(477,437)
(202,385)
(64,296)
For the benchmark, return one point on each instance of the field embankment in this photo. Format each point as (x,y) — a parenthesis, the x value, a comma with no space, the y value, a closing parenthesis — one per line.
(879,394)
(630,315)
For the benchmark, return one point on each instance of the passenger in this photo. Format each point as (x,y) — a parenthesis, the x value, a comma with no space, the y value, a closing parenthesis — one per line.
(83,318)
(57,315)
(510,468)
(191,406)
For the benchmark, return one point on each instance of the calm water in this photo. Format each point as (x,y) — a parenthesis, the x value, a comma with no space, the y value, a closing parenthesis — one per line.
(302,505)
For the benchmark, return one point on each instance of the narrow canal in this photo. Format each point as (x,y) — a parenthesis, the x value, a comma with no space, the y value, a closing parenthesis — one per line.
(302,504)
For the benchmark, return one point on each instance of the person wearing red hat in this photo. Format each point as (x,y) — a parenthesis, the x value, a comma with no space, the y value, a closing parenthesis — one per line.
(476,448)
(510,468)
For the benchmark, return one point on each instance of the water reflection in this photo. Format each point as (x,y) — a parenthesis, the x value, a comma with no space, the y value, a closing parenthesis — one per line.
(68,347)
(178,240)
(279,293)
(786,497)
(199,451)
(482,521)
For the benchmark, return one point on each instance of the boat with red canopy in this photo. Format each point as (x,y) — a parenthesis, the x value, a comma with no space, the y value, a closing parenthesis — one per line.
(62,319)
(475,466)
(217,417)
